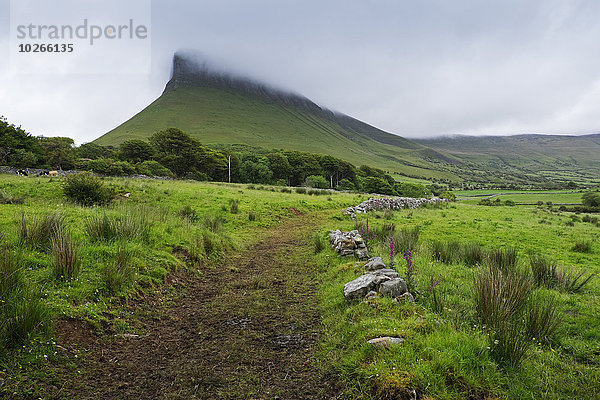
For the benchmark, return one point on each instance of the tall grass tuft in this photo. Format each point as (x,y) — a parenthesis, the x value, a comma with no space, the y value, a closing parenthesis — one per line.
(318,243)
(508,346)
(543,318)
(21,312)
(234,206)
(500,296)
(187,213)
(11,273)
(135,224)
(102,228)
(405,239)
(544,271)
(66,258)
(548,274)
(119,273)
(572,282)
(38,232)
(472,254)
(446,252)
(583,246)
(22,317)
(7,198)
(503,259)
(213,223)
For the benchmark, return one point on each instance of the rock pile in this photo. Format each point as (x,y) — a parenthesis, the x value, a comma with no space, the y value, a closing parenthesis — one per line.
(348,243)
(389,203)
(377,279)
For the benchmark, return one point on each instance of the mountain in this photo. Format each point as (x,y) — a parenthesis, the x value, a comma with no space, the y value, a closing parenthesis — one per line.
(540,157)
(221,108)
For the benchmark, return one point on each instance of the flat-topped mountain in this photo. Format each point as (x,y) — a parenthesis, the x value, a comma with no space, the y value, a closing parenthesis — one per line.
(219,107)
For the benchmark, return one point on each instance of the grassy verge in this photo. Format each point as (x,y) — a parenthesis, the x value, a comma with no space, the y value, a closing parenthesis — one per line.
(88,263)
(548,346)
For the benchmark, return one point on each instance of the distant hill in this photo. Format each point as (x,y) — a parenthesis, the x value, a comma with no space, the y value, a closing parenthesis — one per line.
(548,157)
(220,108)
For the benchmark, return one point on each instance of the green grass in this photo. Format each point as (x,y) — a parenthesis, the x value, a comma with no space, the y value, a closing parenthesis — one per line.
(448,353)
(119,252)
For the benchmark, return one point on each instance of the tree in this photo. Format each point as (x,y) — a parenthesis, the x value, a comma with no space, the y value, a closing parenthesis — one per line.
(591,199)
(184,155)
(373,184)
(316,181)
(280,166)
(136,150)
(407,189)
(17,147)
(93,151)
(58,151)
(255,169)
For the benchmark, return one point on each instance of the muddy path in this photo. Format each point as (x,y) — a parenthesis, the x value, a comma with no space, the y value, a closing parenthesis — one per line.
(247,329)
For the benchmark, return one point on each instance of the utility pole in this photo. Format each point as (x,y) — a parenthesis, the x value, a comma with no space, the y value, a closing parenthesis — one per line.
(229,167)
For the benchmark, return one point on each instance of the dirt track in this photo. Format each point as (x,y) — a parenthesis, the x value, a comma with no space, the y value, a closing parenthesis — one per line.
(245,330)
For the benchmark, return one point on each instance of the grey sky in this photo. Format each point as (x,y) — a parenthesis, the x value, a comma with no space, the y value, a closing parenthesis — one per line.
(414,68)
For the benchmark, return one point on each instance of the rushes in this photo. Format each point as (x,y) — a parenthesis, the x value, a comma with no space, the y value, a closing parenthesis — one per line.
(548,274)
(21,312)
(504,259)
(405,239)
(543,318)
(134,224)
(66,258)
(39,231)
(120,272)
(500,296)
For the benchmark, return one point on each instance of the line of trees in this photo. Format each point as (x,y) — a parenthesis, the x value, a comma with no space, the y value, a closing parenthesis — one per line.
(174,153)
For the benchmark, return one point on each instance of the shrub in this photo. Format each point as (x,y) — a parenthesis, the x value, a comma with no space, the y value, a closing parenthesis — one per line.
(38,232)
(66,259)
(583,246)
(153,168)
(87,190)
(301,190)
(286,190)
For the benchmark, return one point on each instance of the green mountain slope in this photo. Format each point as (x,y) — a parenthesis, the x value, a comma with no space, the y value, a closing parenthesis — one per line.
(546,157)
(218,108)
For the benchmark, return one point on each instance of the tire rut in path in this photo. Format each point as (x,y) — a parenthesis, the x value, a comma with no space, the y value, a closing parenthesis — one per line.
(244,330)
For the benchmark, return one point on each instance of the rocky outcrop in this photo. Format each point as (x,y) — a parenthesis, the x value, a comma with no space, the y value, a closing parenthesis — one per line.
(389,203)
(348,243)
(377,280)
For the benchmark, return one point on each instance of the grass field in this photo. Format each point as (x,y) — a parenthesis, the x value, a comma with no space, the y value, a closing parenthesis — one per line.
(167,228)
(446,353)
(518,196)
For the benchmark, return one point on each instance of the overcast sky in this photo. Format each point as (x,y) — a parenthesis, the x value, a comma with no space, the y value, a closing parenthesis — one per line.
(413,68)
